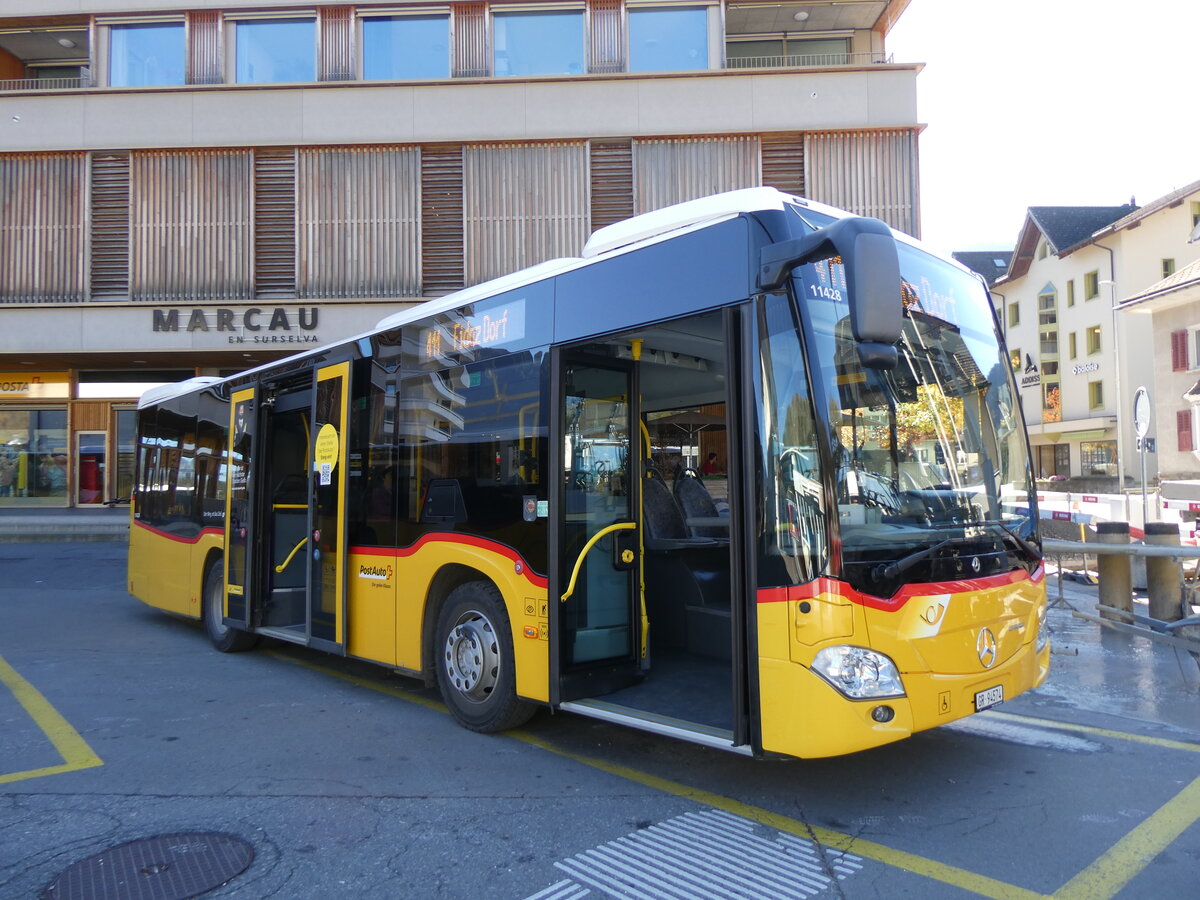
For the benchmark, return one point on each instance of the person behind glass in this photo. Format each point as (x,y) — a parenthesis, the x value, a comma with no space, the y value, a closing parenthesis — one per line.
(8,469)
(710,466)
(54,474)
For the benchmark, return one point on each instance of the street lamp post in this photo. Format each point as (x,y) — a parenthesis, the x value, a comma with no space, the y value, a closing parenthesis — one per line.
(1112,285)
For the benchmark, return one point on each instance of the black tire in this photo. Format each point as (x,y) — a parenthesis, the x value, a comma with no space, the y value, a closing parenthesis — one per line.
(224,638)
(474,660)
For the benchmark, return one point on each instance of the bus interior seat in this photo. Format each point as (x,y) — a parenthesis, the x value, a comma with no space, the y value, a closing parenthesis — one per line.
(697,503)
(687,578)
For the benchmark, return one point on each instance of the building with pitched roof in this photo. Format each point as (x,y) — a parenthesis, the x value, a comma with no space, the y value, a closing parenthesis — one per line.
(989,264)
(1077,362)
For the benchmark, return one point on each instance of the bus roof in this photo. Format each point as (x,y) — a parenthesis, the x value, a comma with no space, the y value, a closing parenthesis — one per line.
(167,391)
(619,237)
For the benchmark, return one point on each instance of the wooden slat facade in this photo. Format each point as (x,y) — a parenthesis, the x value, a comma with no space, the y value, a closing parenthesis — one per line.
(109,269)
(441,219)
(274,224)
(612,182)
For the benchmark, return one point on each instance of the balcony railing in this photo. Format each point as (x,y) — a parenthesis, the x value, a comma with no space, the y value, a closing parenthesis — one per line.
(46,84)
(809,60)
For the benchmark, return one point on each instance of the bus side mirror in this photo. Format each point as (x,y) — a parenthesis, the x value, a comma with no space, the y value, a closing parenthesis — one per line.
(867,249)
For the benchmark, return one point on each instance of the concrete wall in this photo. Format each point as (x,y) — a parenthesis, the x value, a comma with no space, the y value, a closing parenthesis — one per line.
(617,106)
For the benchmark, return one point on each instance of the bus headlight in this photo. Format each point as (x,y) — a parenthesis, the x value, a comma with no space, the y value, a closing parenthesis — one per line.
(859,673)
(1043,633)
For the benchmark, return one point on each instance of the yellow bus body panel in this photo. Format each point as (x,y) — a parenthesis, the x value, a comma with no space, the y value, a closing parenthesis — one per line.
(412,573)
(167,572)
(931,632)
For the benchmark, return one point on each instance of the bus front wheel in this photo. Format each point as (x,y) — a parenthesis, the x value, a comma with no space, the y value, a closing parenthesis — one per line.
(224,638)
(475,660)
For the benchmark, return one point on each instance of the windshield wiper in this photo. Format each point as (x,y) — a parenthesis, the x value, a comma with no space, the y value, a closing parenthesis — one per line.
(1025,545)
(904,563)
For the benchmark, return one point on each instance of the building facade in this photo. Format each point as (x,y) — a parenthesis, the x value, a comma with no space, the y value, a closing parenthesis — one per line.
(1173,306)
(1078,363)
(194,190)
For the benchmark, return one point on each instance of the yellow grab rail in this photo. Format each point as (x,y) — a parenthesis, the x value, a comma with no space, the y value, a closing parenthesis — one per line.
(283,565)
(619,526)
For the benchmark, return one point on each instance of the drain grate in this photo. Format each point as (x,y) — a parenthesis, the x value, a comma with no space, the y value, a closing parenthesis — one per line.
(166,867)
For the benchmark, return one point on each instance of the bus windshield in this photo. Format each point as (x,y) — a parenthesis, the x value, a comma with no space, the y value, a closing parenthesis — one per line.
(932,452)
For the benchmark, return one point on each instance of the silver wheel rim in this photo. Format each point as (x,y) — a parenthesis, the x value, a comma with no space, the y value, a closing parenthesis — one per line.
(472,656)
(214,609)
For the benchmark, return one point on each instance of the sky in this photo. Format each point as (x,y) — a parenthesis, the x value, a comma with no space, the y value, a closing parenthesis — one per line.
(1048,103)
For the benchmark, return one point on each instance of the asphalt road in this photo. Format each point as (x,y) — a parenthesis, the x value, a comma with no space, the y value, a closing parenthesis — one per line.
(119,723)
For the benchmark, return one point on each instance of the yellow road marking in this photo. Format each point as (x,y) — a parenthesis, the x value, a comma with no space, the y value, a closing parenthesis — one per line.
(1132,853)
(1101,880)
(71,747)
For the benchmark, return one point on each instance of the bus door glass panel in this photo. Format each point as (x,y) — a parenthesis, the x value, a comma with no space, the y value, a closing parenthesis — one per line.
(91,451)
(327,476)
(284,467)
(239,519)
(598,480)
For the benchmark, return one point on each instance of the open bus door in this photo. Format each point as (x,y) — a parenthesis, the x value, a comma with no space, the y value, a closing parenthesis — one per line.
(598,595)
(286,507)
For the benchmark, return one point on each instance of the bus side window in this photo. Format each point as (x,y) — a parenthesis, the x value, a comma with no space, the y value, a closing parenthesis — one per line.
(793,539)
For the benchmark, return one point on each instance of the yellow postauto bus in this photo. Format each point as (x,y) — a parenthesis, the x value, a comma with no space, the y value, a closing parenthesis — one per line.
(498,491)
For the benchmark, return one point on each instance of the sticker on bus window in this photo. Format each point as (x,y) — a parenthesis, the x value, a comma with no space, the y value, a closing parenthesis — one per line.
(326,450)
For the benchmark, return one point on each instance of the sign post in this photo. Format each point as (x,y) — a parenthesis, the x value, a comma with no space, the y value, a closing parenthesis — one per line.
(1141,427)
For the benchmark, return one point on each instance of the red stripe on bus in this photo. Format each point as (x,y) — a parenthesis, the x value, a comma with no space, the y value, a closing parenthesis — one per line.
(158,532)
(826,585)
(470,540)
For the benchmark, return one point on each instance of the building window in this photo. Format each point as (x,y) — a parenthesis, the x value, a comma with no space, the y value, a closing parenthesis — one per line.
(1093,339)
(398,47)
(1051,402)
(1095,394)
(1071,292)
(1168,268)
(1091,285)
(33,461)
(1014,315)
(275,50)
(548,43)
(1195,213)
(1098,457)
(668,40)
(1014,358)
(1183,430)
(1042,250)
(1071,344)
(141,55)
(1179,350)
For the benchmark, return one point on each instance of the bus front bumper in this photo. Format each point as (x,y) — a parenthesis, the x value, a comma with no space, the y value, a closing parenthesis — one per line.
(803,715)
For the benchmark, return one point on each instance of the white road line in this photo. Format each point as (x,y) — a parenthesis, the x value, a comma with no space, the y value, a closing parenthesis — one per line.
(998,729)
(711,854)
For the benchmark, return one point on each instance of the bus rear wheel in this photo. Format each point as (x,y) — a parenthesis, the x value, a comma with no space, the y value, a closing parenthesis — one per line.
(224,638)
(474,661)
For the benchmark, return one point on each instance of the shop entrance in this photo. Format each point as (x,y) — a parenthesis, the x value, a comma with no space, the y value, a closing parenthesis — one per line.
(91,457)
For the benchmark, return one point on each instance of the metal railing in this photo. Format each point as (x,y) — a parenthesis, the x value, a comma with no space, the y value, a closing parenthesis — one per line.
(807,60)
(45,84)
(1172,599)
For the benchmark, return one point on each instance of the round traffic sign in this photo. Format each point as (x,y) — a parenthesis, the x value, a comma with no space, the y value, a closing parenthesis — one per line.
(1141,412)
